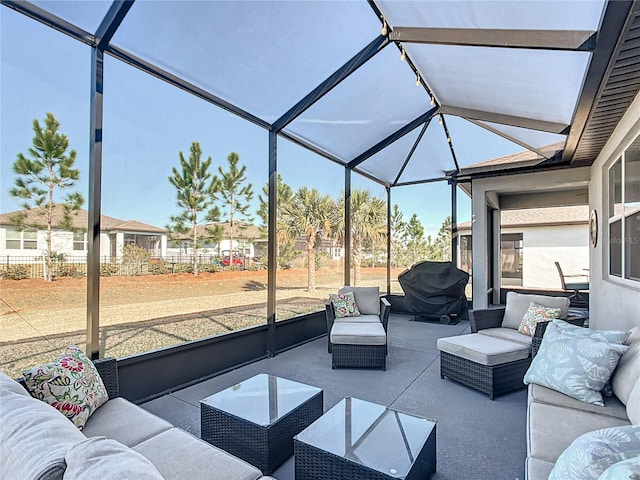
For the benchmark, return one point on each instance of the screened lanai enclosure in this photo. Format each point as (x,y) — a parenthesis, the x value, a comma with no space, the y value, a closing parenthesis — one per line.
(392,97)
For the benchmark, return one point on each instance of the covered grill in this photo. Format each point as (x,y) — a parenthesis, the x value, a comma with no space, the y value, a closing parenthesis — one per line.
(435,290)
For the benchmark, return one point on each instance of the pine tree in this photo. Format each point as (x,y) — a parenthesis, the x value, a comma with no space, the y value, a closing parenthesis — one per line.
(284,195)
(50,168)
(195,197)
(416,246)
(235,194)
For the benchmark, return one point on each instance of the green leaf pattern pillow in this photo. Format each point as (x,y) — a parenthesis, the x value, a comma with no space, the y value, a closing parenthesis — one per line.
(535,314)
(344,305)
(578,366)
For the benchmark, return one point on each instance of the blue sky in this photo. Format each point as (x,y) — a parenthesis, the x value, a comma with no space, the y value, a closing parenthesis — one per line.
(147,122)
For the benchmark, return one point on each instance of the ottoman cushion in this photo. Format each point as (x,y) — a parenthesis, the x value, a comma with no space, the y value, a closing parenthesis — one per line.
(483,349)
(346,333)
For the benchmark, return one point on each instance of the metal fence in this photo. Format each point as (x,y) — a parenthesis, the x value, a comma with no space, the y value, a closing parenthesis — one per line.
(17,268)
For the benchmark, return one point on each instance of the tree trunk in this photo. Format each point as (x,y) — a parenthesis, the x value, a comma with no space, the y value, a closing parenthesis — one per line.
(49,261)
(356,253)
(194,239)
(311,262)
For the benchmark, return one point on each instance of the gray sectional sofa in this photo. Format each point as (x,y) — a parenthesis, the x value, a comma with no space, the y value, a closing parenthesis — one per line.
(37,442)
(554,420)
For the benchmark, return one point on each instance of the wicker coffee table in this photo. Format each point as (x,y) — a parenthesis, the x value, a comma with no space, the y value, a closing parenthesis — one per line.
(257,419)
(358,439)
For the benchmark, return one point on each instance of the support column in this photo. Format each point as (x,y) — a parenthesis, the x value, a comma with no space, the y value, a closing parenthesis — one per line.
(347,226)
(454,221)
(94,205)
(272,247)
(388,188)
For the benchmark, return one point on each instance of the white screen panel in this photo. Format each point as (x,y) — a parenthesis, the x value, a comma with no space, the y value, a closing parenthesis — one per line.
(374,102)
(386,164)
(261,56)
(432,158)
(536,84)
(86,14)
(533,138)
(504,14)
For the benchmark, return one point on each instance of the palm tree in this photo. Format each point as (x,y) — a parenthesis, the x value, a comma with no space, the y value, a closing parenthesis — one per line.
(368,224)
(309,215)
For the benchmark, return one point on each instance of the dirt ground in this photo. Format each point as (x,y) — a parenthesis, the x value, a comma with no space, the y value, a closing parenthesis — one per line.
(141,313)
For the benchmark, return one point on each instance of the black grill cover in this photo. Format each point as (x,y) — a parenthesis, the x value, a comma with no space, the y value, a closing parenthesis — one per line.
(434,288)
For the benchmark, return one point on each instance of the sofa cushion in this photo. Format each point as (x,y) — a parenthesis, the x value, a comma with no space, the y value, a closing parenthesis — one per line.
(483,349)
(70,383)
(345,333)
(518,303)
(359,319)
(344,305)
(537,469)
(121,420)
(34,436)
(625,470)
(178,454)
(367,299)
(633,405)
(534,315)
(100,458)
(551,429)
(578,366)
(507,334)
(591,454)
(628,369)
(612,406)
(9,384)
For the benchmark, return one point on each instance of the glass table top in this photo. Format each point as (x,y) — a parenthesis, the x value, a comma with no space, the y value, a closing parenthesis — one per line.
(262,399)
(370,434)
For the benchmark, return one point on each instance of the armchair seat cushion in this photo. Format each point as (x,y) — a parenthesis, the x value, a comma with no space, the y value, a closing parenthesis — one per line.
(507,334)
(483,349)
(346,333)
(359,319)
(518,304)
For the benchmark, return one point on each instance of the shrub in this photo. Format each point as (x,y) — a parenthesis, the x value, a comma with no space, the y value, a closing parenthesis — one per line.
(183,268)
(159,267)
(16,272)
(134,259)
(67,270)
(209,268)
(108,269)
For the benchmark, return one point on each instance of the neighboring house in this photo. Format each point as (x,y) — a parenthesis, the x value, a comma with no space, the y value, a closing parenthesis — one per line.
(532,240)
(114,234)
(249,241)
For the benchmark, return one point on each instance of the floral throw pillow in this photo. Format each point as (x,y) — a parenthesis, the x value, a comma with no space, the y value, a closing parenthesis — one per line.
(535,314)
(344,305)
(593,453)
(70,383)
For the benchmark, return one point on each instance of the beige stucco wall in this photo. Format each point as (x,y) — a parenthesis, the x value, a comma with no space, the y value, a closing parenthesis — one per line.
(542,246)
(615,303)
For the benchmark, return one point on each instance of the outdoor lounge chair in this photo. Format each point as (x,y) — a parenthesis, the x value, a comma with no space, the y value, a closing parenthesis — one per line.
(573,286)
(359,341)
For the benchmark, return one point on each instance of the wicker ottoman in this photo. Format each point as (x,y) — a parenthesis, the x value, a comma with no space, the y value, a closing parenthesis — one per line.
(490,365)
(358,345)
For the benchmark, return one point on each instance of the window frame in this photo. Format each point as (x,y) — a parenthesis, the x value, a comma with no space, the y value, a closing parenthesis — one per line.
(22,241)
(620,217)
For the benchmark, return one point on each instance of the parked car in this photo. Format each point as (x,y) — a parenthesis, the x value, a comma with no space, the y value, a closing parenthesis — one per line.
(235,260)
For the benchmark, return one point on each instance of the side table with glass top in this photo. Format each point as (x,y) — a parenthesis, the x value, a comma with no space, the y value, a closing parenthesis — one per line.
(257,418)
(360,439)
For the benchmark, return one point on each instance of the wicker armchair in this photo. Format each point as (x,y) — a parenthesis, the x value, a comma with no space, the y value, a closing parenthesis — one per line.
(360,354)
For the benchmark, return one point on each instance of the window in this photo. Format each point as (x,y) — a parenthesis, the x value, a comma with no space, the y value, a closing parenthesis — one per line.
(21,240)
(511,257)
(624,214)
(79,241)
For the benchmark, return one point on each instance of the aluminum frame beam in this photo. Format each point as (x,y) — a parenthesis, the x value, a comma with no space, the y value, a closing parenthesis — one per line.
(111,22)
(362,57)
(398,134)
(572,40)
(616,16)
(523,122)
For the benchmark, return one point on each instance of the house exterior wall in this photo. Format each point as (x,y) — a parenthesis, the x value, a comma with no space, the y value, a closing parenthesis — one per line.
(614,302)
(542,246)
(483,191)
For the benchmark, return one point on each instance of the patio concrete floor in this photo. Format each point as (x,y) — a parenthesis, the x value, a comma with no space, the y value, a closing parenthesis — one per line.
(476,438)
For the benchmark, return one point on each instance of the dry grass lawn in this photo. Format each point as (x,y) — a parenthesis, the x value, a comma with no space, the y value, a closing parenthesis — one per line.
(141,313)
